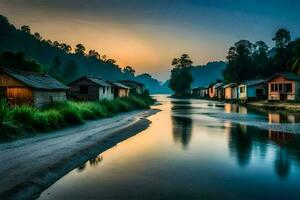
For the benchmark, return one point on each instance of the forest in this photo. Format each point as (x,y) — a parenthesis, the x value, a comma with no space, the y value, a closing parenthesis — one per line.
(21,47)
(247,60)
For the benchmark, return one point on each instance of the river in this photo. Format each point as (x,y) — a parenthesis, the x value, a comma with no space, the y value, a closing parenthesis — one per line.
(195,149)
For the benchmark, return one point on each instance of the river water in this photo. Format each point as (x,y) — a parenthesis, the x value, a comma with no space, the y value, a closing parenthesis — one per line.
(195,149)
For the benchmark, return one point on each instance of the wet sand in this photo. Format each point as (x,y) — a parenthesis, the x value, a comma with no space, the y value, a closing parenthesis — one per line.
(31,165)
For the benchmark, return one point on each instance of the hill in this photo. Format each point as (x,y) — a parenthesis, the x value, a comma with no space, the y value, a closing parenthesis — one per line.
(60,60)
(204,75)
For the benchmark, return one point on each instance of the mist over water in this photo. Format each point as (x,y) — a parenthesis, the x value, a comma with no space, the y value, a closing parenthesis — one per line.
(195,149)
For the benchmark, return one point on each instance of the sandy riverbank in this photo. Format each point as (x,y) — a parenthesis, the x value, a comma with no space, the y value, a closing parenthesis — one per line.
(294,107)
(31,165)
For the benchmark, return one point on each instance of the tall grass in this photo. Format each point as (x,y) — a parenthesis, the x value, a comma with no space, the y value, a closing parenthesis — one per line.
(60,115)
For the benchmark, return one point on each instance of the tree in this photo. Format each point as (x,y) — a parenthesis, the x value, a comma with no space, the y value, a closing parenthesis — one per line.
(294,62)
(240,66)
(37,36)
(70,70)
(94,54)
(65,47)
(55,68)
(19,61)
(26,29)
(111,61)
(129,72)
(261,59)
(282,39)
(181,78)
(56,44)
(80,49)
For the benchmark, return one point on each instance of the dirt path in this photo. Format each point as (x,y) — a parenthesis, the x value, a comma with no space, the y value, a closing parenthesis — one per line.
(29,166)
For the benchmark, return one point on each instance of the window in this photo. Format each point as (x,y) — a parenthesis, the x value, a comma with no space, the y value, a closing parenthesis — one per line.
(103,90)
(276,87)
(280,87)
(242,89)
(272,87)
(112,90)
(288,87)
(84,90)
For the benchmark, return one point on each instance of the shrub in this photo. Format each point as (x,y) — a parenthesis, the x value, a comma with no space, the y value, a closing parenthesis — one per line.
(4,111)
(70,113)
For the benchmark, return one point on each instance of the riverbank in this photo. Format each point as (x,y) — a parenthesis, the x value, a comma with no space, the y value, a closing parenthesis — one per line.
(31,165)
(286,106)
(25,121)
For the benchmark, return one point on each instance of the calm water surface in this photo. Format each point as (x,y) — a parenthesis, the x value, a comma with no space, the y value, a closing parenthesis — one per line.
(195,149)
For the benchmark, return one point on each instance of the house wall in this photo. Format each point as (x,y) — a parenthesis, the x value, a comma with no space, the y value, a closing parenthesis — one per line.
(93,90)
(273,95)
(234,93)
(228,93)
(242,95)
(211,92)
(106,93)
(123,92)
(8,81)
(42,98)
(19,95)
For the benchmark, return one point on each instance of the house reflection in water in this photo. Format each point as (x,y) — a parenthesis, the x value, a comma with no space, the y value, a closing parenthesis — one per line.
(235,108)
(246,142)
(283,118)
(182,125)
(282,161)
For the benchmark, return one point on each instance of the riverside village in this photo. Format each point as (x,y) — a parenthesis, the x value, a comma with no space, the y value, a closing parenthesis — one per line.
(149,100)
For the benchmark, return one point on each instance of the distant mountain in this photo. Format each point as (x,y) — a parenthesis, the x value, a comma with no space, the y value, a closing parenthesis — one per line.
(154,86)
(70,65)
(204,75)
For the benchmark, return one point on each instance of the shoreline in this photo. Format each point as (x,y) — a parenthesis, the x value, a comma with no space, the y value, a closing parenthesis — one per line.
(31,165)
(276,106)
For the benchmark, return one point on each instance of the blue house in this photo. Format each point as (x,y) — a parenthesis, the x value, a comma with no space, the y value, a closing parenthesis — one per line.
(252,90)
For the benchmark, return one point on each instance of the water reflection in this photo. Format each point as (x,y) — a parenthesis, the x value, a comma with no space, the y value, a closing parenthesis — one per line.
(94,162)
(246,142)
(283,117)
(182,125)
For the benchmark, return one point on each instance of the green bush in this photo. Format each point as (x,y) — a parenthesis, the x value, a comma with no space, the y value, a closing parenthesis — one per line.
(14,121)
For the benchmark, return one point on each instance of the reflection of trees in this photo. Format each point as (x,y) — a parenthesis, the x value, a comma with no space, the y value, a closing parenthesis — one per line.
(81,168)
(240,144)
(182,126)
(282,163)
(95,161)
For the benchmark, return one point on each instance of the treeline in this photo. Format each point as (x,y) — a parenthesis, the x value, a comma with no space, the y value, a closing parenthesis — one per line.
(59,59)
(246,60)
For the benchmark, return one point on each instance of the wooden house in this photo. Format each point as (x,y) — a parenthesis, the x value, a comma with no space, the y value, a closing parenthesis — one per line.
(219,91)
(120,90)
(252,90)
(200,92)
(231,91)
(135,87)
(91,89)
(212,92)
(284,87)
(20,87)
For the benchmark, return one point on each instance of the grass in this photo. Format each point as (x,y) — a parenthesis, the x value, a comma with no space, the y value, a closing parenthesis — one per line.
(19,120)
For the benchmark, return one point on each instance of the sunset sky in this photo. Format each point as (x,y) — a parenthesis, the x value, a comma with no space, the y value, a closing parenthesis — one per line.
(147,34)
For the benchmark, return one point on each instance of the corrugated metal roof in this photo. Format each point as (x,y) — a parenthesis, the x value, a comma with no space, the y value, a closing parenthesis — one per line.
(120,85)
(99,81)
(254,82)
(230,85)
(219,85)
(35,80)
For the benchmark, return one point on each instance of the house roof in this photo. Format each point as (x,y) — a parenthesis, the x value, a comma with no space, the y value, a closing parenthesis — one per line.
(218,85)
(120,85)
(96,80)
(35,80)
(131,84)
(200,88)
(254,82)
(289,76)
(131,81)
(230,85)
